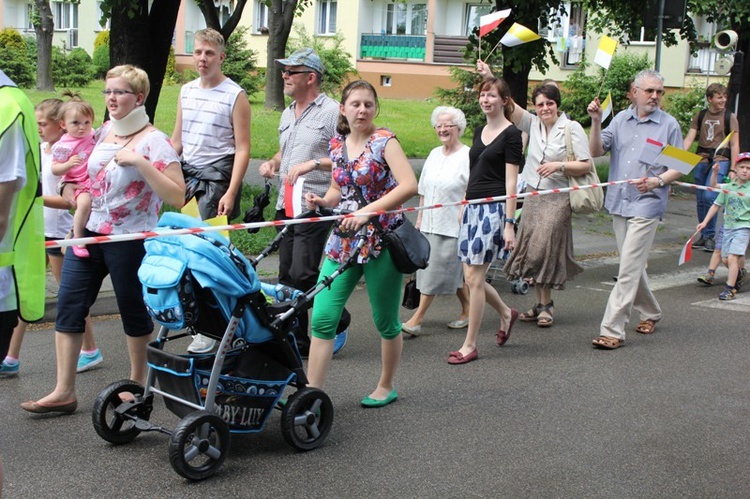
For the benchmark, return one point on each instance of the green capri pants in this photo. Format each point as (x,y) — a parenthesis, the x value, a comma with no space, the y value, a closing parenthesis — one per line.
(383,289)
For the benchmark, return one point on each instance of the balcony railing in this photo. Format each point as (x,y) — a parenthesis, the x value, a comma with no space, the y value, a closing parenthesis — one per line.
(381,46)
(703,61)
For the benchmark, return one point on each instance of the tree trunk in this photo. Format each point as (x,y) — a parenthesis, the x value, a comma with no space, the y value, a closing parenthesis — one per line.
(518,81)
(44,29)
(280,18)
(143,40)
(161,21)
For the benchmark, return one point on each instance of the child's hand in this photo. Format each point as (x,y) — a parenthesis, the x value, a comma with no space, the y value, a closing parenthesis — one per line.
(700,227)
(715,167)
(74,160)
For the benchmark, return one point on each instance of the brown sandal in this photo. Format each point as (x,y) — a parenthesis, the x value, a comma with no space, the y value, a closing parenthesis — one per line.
(646,327)
(545,320)
(607,342)
(531,315)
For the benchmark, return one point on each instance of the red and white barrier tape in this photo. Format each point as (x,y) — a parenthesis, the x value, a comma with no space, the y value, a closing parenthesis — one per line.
(710,189)
(276,223)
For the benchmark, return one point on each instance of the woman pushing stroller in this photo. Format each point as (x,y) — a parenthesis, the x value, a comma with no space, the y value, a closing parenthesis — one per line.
(370,173)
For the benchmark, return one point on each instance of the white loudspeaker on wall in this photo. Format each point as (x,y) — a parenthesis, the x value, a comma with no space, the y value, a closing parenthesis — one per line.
(723,65)
(725,40)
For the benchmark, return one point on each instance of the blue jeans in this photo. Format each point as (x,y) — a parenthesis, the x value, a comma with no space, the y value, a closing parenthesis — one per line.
(702,176)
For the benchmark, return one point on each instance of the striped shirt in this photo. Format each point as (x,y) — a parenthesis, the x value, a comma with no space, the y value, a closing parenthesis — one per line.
(207,128)
(305,138)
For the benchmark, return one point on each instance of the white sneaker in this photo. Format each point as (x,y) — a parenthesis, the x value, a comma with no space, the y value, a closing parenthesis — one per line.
(201,344)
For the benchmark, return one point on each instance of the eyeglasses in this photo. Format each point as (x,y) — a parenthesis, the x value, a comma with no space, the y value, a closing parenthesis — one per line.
(117,93)
(289,72)
(441,126)
(657,91)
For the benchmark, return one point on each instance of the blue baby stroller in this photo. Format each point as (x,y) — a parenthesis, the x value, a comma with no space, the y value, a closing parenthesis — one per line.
(199,283)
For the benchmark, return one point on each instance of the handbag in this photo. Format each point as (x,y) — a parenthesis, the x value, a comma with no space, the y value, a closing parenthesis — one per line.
(411,295)
(409,248)
(584,200)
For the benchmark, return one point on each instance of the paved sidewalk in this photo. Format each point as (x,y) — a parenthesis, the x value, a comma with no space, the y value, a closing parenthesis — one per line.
(592,236)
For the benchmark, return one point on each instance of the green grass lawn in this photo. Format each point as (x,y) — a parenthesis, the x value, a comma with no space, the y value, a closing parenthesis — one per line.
(410,120)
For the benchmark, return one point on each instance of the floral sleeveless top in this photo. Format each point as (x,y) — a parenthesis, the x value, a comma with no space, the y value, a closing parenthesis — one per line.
(371,173)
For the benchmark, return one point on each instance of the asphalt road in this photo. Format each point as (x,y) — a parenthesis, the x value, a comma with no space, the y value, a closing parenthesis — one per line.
(544,416)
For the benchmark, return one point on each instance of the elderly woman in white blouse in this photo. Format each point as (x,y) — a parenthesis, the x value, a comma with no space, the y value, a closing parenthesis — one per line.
(443,180)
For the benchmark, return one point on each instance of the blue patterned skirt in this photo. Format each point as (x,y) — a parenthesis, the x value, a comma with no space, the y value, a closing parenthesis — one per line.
(480,238)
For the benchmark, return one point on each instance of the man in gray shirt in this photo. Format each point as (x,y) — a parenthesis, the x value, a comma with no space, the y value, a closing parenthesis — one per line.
(637,207)
(306,127)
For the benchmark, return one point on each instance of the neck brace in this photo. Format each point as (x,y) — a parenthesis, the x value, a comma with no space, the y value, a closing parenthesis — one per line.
(134,122)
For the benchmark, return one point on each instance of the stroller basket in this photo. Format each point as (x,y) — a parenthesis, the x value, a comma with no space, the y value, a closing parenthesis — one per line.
(250,385)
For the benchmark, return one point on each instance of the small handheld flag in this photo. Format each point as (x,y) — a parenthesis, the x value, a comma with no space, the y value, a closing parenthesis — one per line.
(605,52)
(518,35)
(491,21)
(687,251)
(607,106)
(724,143)
(678,159)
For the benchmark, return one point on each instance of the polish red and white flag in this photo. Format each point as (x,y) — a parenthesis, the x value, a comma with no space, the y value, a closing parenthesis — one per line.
(491,21)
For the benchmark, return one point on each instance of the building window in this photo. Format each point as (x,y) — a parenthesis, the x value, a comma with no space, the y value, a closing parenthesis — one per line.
(641,35)
(327,17)
(385,81)
(473,13)
(406,19)
(65,15)
(261,17)
(29,19)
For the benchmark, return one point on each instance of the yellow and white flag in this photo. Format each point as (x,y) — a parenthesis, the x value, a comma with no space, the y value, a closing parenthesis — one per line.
(607,106)
(724,143)
(518,35)
(678,159)
(606,50)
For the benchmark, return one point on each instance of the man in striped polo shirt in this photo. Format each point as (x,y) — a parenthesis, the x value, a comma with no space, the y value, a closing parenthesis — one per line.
(305,129)
(212,132)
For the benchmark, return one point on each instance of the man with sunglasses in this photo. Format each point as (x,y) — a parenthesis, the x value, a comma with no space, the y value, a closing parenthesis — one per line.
(636,207)
(307,125)
(212,133)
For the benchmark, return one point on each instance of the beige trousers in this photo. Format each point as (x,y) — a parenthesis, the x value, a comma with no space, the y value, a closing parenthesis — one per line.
(635,236)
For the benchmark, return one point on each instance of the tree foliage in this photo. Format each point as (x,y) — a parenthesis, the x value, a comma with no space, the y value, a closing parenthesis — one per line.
(336,61)
(13,59)
(241,62)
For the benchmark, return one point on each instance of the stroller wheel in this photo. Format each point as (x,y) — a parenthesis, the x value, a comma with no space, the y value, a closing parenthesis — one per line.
(307,418)
(523,287)
(115,420)
(198,446)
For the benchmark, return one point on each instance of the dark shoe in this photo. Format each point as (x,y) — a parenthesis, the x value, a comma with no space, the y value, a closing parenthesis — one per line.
(371,402)
(707,279)
(699,243)
(710,246)
(456,358)
(502,336)
(38,408)
(740,279)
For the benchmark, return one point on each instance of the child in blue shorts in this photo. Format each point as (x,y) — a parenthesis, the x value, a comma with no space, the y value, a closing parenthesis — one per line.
(736,206)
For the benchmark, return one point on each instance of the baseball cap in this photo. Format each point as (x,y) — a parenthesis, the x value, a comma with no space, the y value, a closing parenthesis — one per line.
(743,156)
(303,57)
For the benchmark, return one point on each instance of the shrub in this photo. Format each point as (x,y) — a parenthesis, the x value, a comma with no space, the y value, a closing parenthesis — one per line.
(72,70)
(336,61)
(14,60)
(463,96)
(683,105)
(189,75)
(241,61)
(102,39)
(171,76)
(101,60)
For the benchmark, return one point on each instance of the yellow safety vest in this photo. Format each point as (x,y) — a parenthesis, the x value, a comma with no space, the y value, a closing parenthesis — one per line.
(27,255)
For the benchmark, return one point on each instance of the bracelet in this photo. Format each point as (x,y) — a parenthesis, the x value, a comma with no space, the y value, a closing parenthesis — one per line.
(510,221)
(317,164)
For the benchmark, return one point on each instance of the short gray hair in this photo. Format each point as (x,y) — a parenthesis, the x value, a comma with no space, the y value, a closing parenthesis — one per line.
(458,117)
(648,73)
